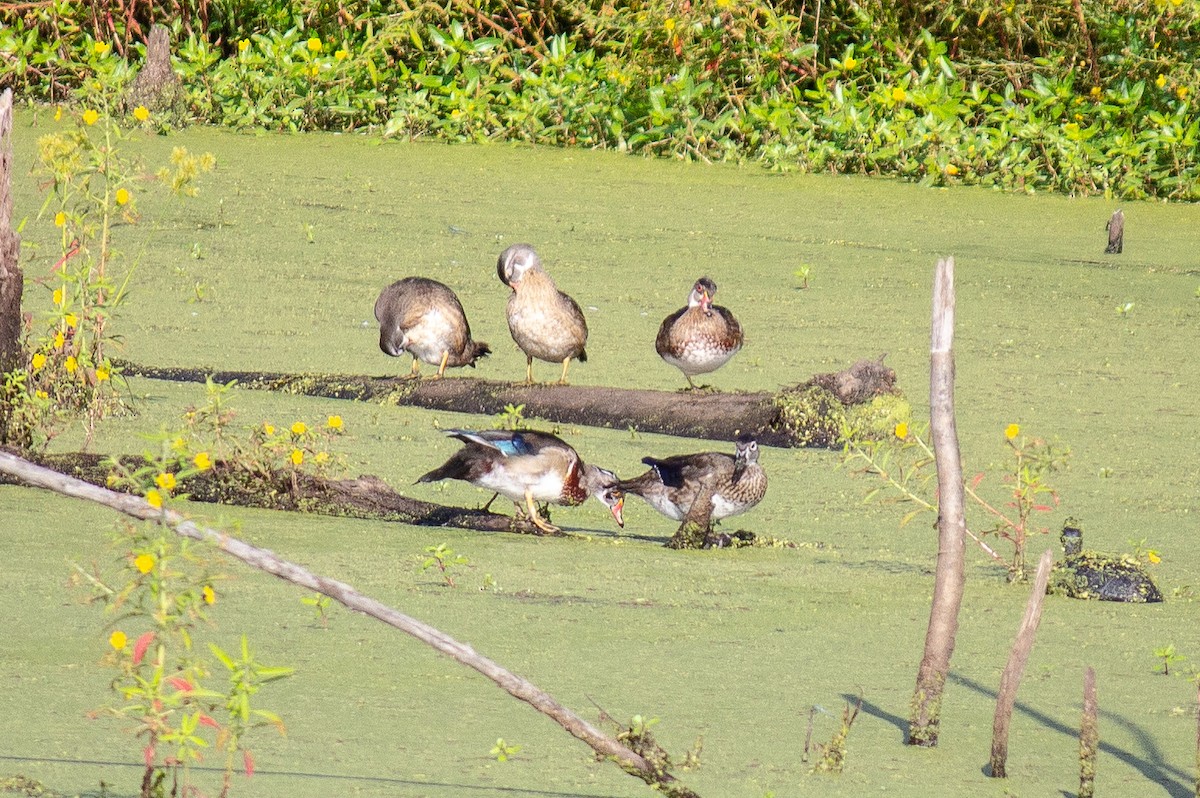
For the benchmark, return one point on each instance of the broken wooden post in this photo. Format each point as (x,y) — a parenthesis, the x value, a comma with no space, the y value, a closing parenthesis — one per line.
(156,86)
(12,354)
(1116,233)
(949,577)
(1089,737)
(1010,680)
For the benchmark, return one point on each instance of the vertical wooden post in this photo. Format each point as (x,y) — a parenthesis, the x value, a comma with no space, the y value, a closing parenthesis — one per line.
(925,719)
(1089,737)
(11,279)
(1010,680)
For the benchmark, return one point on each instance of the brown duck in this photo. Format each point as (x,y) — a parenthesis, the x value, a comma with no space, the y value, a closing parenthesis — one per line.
(424,318)
(701,337)
(673,483)
(545,322)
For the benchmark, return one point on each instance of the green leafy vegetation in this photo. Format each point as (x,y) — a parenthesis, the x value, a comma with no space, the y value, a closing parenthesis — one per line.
(1027,96)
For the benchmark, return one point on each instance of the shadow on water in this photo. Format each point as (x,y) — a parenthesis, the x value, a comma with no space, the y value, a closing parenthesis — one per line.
(1149,762)
(440,787)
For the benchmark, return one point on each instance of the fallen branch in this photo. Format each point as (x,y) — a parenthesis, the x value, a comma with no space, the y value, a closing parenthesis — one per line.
(263,560)
(810,414)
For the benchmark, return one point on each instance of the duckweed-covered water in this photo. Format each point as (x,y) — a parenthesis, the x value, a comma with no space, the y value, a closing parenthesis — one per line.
(276,266)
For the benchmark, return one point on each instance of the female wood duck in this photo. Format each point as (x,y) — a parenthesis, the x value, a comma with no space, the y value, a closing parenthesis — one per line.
(424,318)
(545,322)
(701,337)
(673,483)
(529,466)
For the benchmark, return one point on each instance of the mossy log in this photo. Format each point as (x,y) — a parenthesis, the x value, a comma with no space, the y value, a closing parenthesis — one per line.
(813,413)
(367,497)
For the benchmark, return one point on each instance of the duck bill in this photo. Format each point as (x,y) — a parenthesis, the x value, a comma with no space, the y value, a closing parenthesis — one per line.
(618,512)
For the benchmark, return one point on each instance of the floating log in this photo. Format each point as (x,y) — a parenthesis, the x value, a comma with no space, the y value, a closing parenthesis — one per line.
(366,497)
(813,413)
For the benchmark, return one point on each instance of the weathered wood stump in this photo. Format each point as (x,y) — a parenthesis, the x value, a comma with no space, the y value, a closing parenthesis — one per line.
(156,86)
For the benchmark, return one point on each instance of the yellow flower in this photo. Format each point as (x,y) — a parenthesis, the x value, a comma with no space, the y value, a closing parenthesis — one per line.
(951,170)
(268,429)
(144,563)
(42,395)
(209,594)
(1012,431)
(141,113)
(297,457)
(91,116)
(102,374)
(850,63)
(59,340)
(314,70)
(901,430)
(202,461)
(299,428)
(60,219)
(100,48)
(1181,92)
(1078,117)
(334,422)
(72,320)
(122,196)
(243,45)
(165,480)
(71,364)
(58,296)
(341,55)
(1160,81)
(669,24)
(1153,557)
(314,45)
(321,457)
(39,360)
(154,498)
(58,113)
(899,94)
(1095,91)
(118,640)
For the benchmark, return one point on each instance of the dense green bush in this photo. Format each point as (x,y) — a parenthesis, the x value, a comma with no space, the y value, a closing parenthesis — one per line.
(1083,98)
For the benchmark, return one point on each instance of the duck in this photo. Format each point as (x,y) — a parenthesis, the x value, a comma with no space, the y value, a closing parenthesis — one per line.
(529,466)
(701,337)
(424,318)
(673,483)
(544,322)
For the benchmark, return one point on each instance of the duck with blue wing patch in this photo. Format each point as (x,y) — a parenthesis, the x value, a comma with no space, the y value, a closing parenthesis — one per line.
(528,466)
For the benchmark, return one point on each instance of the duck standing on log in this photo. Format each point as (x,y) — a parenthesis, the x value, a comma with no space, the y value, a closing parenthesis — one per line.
(424,318)
(545,322)
(529,466)
(701,337)
(673,483)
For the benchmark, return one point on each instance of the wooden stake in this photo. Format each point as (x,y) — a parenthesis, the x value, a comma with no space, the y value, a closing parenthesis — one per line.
(1010,680)
(1089,737)
(952,526)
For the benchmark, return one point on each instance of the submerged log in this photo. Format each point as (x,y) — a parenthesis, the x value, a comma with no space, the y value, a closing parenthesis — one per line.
(367,497)
(813,413)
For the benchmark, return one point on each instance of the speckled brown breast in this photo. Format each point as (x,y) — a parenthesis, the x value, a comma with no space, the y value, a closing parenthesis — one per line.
(696,341)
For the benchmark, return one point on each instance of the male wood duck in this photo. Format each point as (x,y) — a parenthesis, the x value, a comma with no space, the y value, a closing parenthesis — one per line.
(424,318)
(673,483)
(545,322)
(529,466)
(701,337)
